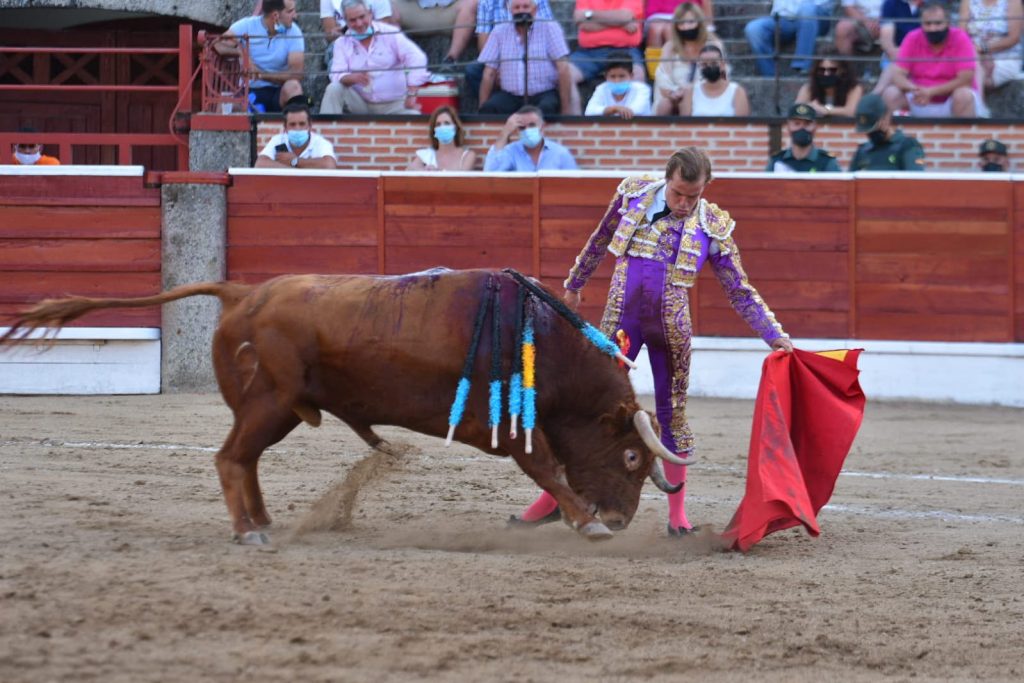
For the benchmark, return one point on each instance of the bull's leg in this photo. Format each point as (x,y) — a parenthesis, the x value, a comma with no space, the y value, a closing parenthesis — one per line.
(542,467)
(253,496)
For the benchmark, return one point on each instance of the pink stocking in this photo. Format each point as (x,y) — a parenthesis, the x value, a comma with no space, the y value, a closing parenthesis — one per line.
(677,501)
(540,508)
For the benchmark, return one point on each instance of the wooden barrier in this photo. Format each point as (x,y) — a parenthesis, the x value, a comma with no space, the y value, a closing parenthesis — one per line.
(80,234)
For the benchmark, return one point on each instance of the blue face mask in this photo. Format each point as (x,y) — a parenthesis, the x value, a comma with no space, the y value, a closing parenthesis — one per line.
(531,137)
(279,28)
(444,133)
(361,36)
(298,138)
(619,88)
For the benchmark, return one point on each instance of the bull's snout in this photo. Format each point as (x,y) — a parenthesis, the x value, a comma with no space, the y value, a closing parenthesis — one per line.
(616,521)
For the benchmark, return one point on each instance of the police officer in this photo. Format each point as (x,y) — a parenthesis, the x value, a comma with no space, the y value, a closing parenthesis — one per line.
(993,156)
(802,156)
(887,148)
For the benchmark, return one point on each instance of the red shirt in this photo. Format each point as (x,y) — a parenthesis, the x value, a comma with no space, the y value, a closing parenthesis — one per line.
(615,36)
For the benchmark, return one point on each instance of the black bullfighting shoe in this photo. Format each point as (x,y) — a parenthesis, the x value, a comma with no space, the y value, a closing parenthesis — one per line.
(516,522)
(681,531)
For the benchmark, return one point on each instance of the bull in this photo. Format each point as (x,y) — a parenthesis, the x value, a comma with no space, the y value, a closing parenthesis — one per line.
(388,350)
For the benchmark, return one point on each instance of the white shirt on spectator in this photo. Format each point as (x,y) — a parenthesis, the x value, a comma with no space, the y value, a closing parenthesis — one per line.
(714,106)
(872,9)
(637,99)
(317,148)
(381,9)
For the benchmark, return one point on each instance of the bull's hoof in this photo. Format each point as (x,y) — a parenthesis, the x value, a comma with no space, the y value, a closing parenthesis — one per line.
(517,522)
(595,531)
(252,538)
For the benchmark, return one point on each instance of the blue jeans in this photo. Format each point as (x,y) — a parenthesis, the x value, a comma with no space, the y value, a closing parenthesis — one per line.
(761,36)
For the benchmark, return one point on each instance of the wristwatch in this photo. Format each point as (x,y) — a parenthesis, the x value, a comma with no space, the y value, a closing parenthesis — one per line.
(295,162)
(588,14)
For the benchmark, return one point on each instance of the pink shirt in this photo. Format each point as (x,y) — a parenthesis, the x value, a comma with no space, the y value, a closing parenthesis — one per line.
(956,55)
(667,6)
(389,51)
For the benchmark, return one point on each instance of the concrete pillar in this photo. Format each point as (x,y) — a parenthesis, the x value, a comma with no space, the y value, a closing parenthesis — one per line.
(194,242)
(218,150)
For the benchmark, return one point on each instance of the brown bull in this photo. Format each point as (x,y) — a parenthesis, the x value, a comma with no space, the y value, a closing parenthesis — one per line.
(389,351)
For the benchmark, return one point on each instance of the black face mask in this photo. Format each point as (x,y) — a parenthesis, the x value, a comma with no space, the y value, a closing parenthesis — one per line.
(522,18)
(879,137)
(802,137)
(937,37)
(992,167)
(828,81)
(711,73)
(688,34)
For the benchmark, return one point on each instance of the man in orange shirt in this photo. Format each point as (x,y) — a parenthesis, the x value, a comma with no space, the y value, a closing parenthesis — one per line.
(26,154)
(604,27)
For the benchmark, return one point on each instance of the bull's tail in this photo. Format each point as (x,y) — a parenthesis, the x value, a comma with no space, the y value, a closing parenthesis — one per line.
(54,314)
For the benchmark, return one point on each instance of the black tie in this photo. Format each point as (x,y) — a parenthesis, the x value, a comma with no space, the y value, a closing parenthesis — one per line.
(661,214)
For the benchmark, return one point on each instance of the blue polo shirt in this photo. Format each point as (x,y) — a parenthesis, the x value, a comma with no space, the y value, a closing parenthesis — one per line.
(897,10)
(268,53)
(514,157)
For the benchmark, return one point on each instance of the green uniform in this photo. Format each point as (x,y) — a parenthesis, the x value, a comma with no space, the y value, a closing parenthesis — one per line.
(900,153)
(818,161)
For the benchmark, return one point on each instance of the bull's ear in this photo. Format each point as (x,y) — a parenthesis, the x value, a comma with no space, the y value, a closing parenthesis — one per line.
(620,421)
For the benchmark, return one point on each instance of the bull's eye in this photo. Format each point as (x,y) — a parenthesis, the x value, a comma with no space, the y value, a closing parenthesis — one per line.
(631,458)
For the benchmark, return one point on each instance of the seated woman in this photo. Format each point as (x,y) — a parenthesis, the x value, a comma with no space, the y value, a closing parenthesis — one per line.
(661,15)
(995,28)
(677,70)
(620,95)
(446,152)
(714,95)
(831,88)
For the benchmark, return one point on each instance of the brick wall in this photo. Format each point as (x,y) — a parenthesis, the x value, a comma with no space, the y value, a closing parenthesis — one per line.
(645,144)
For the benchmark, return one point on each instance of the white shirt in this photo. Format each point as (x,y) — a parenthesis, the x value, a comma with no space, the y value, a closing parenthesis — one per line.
(638,99)
(317,148)
(872,9)
(714,106)
(381,9)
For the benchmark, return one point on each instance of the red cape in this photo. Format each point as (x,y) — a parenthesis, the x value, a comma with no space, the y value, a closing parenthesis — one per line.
(808,410)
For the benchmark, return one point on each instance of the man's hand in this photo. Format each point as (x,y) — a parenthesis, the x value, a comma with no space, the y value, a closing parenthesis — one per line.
(921,96)
(782,344)
(571,299)
(362,78)
(284,158)
(511,128)
(631,27)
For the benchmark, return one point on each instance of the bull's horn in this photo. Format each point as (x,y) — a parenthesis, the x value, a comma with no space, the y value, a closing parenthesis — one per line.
(642,422)
(657,475)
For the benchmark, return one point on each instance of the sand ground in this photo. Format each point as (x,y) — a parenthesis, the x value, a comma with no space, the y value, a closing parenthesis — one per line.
(116,565)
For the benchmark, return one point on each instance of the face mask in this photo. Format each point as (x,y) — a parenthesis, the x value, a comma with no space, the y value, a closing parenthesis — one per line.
(531,137)
(444,133)
(27,159)
(619,88)
(361,36)
(828,81)
(937,37)
(711,73)
(992,167)
(688,34)
(298,138)
(522,18)
(279,28)
(802,137)
(878,137)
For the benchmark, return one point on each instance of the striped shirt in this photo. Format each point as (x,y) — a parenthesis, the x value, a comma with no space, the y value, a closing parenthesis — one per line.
(504,52)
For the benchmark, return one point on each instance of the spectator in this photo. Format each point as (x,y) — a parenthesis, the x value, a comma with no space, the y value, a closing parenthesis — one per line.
(446,152)
(490,14)
(935,73)
(861,27)
(532,151)
(332,18)
(440,16)
(604,27)
(887,149)
(899,17)
(802,156)
(297,146)
(620,95)
(276,52)
(677,67)
(799,20)
(375,67)
(995,27)
(30,154)
(550,85)
(994,157)
(714,95)
(832,89)
(661,14)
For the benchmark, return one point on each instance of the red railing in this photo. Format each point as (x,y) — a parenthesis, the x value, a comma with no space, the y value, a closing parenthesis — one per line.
(76,69)
(225,87)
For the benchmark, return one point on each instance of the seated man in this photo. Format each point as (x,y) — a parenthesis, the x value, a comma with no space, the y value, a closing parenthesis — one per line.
(604,27)
(887,148)
(993,157)
(276,52)
(935,73)
(802,156)
(31,153)
(550,85)
(297,146)
(375,68)
(799,20)
(490,14)
(860,28)
(532,151)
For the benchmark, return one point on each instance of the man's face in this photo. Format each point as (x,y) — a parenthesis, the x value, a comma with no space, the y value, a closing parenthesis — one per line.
(995,158)
(793,125)
(296,120)
(530,120)
(28,149)
(681,196)
(358,19)
(934,20)
(618,75)
(288,15)
(520,6)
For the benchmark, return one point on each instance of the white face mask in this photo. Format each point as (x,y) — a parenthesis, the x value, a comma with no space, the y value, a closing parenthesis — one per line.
(27,159)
